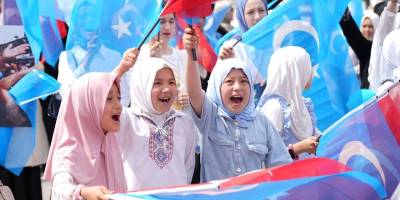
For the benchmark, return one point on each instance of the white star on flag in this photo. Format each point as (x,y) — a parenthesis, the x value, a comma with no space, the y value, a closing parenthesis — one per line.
(122,28)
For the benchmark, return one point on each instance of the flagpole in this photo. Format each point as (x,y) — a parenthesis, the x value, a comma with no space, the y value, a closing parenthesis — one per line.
(240,39)
(273,4)
(148,33)
(154,26)
(194,55)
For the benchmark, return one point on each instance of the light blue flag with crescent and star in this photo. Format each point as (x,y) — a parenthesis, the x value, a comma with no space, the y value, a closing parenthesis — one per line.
(314,26)
(126,22)
(100,31)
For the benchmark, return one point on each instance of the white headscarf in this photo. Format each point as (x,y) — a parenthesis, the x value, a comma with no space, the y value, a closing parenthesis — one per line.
(288,73)
(372,16)
(143,75)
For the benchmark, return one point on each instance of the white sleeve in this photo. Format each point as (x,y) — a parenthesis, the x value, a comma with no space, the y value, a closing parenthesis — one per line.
(272,109)
(64,187)
(65,74)
(182,68)
(126,88)
(376,69)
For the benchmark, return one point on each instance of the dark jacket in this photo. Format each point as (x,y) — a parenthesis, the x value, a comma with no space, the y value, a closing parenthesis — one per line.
(360,45)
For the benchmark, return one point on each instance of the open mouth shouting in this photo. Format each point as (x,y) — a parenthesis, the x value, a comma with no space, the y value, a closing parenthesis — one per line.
(236,99)
(164,100)
(115,118)
(163,104)
(236,103)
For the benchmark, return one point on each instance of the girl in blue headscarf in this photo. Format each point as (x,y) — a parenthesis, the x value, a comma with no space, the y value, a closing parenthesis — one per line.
(236,138)
(248,13)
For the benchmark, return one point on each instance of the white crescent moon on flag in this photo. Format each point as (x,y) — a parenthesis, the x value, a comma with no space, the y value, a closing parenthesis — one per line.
(336,34)
(357,148)
(292,26)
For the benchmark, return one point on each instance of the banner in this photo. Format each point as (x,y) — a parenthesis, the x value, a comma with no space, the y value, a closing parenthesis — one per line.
(368,139)
(20,85)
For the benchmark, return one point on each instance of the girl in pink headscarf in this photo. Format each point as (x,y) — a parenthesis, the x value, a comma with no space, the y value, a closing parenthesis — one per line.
(84,159)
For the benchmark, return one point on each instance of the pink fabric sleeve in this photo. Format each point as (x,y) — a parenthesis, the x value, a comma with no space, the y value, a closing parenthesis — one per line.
(64,187)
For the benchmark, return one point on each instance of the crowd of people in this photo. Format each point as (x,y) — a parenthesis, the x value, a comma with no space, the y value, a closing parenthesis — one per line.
(239,121)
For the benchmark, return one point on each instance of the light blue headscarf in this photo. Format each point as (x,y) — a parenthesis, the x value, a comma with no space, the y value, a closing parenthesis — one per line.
(217,77)
(240,4)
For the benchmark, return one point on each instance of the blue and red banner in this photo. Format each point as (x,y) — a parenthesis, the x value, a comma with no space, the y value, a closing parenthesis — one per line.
(367,139)
(315,178)
(356,185)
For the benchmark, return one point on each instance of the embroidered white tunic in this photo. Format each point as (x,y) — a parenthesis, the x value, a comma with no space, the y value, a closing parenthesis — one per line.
(157,155)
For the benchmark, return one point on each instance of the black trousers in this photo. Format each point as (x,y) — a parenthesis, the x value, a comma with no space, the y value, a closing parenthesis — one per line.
(25,186)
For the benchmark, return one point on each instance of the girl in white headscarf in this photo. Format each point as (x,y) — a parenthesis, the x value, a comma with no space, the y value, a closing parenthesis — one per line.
(369,24)
(160,47)
(157,142)
(282,102)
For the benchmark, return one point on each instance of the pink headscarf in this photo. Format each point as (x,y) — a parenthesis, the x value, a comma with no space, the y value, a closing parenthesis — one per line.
(79,141)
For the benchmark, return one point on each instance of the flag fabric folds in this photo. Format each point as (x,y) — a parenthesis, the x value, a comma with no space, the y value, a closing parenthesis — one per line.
(17,144)
(190,8)
(38,19)
(52,44)
(11,16)
(212,22)
(34,85)
(314,178)
(98,28)
(29,11)
(101,31)
(367,140)
(298,169)
(208,57)
(124,24)
(336,186)
(357,10)
(314,26)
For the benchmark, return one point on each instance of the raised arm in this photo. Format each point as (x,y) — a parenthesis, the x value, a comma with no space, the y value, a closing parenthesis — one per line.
(386,22)
(128,60)
(377,71)
(196,94)
(360,45)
